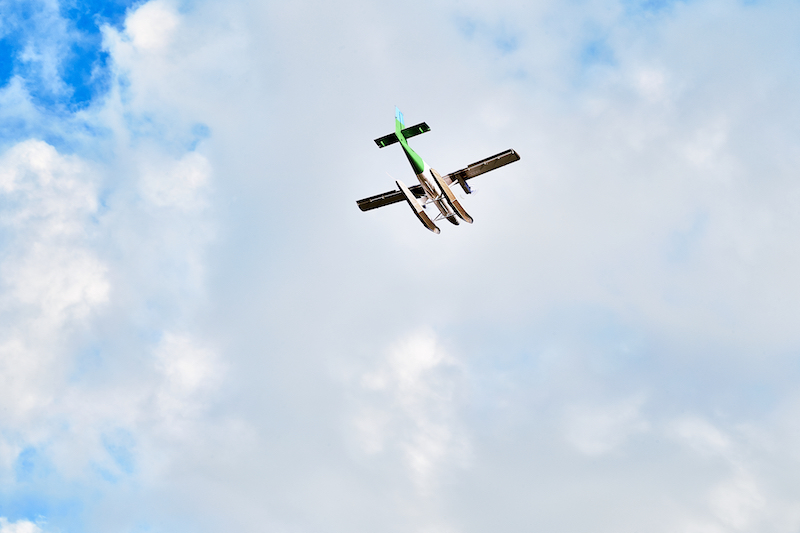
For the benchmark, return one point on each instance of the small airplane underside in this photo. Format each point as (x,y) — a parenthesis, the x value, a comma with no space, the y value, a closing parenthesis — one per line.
(433,188)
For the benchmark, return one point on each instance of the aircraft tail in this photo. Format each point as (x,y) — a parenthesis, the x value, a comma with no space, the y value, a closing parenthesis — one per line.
(399,123)
(400,130)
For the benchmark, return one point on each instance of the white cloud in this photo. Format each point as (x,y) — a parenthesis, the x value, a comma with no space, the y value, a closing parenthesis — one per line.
(51,276)
(45,45)
(152,25)
(599,429)
(655,208)
(180,184)
(737,502)
(188,371)
(186,367)
(51,194)
(82,256)
(414,408)
(59,281)
(702,436)
(20,526)
(743,497)
(652,84)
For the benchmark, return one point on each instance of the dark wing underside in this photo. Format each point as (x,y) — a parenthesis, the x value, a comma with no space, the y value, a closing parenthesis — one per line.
(475,169)
(483,166)
(411,131)
(391,197)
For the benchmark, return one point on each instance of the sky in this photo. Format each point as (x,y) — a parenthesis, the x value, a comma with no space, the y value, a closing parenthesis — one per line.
(200,331)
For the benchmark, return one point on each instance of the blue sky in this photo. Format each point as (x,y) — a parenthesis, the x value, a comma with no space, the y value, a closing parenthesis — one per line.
(200,331)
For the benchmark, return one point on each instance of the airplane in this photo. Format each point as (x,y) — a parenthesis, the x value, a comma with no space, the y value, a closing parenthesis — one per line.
(433,188)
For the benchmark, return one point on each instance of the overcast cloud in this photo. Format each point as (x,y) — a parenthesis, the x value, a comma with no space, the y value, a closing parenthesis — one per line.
(199,330)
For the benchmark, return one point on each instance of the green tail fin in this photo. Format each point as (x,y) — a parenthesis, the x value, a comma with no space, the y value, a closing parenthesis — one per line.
(399,123)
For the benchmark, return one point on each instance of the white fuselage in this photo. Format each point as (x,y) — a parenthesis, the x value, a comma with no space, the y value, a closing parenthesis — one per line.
(433,191)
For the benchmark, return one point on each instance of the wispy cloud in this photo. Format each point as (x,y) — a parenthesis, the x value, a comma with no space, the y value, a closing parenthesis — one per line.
(413,408)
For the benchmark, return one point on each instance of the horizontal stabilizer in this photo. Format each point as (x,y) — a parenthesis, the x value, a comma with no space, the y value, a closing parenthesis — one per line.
(386,140)
(388,198)
(411,131)
(481,167)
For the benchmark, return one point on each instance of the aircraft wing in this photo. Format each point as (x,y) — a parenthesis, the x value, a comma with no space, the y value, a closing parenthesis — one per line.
(388,198)
(460,176)
(481,167)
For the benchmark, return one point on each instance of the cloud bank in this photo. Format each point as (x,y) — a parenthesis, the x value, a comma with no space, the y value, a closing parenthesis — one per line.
(201,331)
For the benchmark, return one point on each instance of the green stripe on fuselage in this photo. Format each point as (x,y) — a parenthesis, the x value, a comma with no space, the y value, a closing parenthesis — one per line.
(416,161)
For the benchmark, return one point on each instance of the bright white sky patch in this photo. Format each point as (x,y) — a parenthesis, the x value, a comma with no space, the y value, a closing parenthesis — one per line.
(416,413)
(597,430)
(20,526)
(180,185)
(152,25)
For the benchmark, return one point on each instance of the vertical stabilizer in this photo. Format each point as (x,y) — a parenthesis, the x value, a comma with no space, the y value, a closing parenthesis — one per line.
(399,122)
